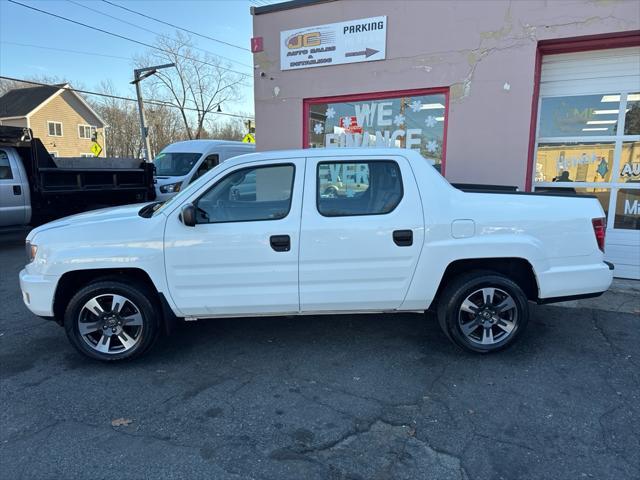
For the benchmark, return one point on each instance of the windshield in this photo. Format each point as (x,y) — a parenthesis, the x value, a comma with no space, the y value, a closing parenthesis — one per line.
(174,164)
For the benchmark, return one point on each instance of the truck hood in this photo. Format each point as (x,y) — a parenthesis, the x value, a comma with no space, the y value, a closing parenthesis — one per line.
(111,214)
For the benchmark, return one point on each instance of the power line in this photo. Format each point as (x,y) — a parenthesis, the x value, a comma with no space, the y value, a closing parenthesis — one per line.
(93,54)
(148,45)
(80,52)
(152,31)
(176,26)
(159,103)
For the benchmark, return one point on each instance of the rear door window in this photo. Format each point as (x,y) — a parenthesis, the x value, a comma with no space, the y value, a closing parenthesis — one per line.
(358,188)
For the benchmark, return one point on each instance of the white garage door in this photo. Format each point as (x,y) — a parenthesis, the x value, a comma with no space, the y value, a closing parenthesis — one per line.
(588,140)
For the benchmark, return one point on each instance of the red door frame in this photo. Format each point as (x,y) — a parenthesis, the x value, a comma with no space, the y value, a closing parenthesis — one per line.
(568,45)
(307,102)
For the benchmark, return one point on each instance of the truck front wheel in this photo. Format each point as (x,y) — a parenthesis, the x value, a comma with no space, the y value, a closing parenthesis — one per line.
(112,320)
(483,311)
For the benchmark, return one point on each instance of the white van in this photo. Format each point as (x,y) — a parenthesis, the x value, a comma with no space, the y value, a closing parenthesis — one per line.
(181,163)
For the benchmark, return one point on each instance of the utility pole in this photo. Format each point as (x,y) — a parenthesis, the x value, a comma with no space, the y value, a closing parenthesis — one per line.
(140,74)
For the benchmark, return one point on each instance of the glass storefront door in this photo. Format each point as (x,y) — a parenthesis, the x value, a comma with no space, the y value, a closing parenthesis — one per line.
(590,144)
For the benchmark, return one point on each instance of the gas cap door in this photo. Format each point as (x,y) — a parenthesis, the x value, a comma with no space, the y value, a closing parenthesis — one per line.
(463,228)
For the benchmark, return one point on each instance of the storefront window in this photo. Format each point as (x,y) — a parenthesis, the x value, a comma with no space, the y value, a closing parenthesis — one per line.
(630,163)
(632,115)
(602,194)
(411,121)
(628,209)
(581,162)
(607,167)
(582,115)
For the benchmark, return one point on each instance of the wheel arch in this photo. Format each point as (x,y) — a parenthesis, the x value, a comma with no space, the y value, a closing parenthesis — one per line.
(69,284)
(517,269)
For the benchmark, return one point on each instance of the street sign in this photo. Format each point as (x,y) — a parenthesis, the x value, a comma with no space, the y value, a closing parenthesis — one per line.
(96,149)
(363,40)
(249,138)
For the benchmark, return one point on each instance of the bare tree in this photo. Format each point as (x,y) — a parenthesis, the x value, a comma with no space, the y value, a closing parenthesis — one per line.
(197,86)
(123,131)
(165,127)
(230,129)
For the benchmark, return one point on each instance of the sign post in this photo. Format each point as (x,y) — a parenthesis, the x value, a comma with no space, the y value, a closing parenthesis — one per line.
(140,74)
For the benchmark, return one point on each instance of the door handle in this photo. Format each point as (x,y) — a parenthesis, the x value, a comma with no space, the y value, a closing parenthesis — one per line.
(17,190)
(280,243)
(403,238)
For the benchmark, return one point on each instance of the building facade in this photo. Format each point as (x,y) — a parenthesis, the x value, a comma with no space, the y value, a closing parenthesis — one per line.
(534,94)
(64,122)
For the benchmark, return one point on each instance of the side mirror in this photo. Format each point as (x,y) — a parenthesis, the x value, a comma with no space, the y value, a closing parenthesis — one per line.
(188,215)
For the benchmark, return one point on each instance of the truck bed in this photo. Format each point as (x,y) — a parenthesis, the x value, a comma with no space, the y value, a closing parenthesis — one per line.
(56,192)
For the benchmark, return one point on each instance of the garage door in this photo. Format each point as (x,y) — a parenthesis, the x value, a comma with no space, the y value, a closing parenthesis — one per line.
(588,140)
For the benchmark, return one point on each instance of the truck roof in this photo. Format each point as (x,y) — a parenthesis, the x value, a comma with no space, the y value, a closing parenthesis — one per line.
(203,146)
(328,152)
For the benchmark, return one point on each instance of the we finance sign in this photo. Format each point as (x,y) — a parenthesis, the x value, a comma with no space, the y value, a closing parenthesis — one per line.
(363,40)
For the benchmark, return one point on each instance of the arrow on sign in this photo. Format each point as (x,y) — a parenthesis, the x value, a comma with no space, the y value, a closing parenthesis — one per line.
(367,52)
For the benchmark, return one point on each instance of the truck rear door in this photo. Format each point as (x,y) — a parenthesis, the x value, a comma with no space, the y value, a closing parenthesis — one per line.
(13,191)
(362,232)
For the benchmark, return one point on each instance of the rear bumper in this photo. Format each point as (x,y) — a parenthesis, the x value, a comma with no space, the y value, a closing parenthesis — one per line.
(570,283)
(38,292)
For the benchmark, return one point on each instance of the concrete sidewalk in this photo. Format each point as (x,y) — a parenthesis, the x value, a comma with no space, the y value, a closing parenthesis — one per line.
(623,296)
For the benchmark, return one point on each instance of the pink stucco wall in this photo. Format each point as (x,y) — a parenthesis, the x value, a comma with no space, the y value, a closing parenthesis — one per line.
(473,47)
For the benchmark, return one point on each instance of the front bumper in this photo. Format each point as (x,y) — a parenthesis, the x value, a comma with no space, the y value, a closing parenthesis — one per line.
(38,292)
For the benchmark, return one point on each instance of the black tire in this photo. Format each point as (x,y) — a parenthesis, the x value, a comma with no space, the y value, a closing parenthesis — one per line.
(140,304)
(492,321)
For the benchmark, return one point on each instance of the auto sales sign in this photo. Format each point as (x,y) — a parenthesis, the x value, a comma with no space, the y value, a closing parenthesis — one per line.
(363,40)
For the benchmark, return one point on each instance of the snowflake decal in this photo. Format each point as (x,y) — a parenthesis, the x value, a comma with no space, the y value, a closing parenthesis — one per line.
(430,121)
(398,119)
(416,105)
(330,112)
(432,146)
(318,129)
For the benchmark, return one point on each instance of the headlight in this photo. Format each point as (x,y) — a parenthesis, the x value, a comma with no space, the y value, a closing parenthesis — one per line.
(171,188)
(31,251)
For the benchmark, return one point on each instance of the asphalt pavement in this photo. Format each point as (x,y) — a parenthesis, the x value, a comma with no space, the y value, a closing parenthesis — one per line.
(322,397)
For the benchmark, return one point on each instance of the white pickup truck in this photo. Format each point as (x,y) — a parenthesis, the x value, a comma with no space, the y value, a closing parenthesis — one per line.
(263,234)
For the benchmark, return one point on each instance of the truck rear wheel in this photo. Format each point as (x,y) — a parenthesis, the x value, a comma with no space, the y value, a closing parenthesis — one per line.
(483,311)
(112,320)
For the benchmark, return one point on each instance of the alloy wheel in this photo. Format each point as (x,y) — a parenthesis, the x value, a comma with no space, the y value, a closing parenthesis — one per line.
(110,324)
(488,316)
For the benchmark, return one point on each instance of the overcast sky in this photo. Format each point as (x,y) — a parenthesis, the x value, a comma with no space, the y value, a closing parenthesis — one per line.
(226,20)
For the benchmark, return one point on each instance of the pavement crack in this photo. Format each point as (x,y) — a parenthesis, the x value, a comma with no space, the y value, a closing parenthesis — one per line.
(506,442)
(598,327)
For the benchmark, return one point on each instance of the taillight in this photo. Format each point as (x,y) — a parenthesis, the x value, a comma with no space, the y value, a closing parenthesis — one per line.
(599,229)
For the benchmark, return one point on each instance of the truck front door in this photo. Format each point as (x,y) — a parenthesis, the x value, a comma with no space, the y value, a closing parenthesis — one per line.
(242,255)
(362,233)
(13,191)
